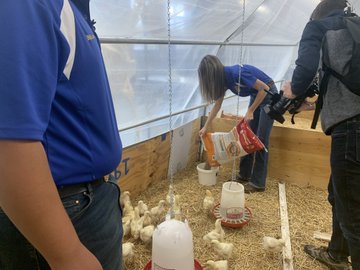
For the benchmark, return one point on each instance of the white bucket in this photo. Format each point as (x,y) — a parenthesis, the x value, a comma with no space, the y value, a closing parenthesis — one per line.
(172,246)
(232,202)
(207,177)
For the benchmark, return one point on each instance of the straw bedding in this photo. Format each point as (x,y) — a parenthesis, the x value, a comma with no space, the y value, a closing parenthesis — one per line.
(308,211)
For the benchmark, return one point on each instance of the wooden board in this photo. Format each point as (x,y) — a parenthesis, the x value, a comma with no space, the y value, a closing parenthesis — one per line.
(195,143)
(143,164)
(299,156)
(285,231)
(322,236)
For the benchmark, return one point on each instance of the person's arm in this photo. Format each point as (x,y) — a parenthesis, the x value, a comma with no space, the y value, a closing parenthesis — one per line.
(211,116)
(307,62)
(29,197)
(259,86)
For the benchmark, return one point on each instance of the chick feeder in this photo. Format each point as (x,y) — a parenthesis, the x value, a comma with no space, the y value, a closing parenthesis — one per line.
(231,209)
(172,247)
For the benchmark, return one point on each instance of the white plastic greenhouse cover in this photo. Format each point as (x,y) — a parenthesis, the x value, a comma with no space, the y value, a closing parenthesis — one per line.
(134,36)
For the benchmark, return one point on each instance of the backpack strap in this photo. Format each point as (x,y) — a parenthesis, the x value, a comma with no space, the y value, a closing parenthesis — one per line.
(322,92)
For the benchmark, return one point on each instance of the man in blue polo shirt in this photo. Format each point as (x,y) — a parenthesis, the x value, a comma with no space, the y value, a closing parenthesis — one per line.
(58,138)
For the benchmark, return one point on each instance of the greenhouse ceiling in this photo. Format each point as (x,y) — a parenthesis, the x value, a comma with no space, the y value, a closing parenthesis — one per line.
(148,85)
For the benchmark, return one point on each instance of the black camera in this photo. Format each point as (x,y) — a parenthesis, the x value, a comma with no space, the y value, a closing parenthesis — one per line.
(281,104)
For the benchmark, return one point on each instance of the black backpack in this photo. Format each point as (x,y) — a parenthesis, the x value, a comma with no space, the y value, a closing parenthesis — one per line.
(352,79)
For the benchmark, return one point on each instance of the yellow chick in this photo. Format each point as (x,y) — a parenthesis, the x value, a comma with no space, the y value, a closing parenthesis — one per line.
(157,212)
(126,227)
(136,225)
(127,218)
(208,203)
(146,219)
(128,252)
(272,244)
(142,207)
(128,209)
(217,265)
(216,234)
(146,233)
(125,197)
(213,235)
(224,250)
(219,229)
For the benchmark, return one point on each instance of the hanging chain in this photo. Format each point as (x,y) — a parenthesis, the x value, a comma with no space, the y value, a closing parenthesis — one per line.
(233,175)
(171,193)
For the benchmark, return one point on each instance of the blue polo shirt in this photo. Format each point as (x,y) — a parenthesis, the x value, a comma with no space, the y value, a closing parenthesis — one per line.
(249,74)
(54,88)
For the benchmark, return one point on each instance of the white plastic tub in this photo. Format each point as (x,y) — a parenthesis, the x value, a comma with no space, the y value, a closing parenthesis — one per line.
(207,177)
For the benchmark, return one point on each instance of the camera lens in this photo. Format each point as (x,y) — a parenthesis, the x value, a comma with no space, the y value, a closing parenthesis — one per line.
(282,105)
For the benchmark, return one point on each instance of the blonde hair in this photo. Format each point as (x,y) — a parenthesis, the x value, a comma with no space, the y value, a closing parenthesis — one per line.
(211,78)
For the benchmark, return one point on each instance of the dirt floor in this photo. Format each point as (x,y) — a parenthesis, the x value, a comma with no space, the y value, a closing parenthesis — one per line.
(308,212)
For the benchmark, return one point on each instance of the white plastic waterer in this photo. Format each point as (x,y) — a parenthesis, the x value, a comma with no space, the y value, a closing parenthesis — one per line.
(172,246)
(232,201)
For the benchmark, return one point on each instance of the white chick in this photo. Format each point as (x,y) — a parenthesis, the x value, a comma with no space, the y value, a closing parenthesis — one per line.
(125,197)
(158,211)
(128,209)
(146,233)
(272,244)
(146,218)
(219,229)
(126,227)
(216,234)
(208,203)
(136,225)
(142,207)
(127,218)
(224,250)
(213,235)
(217,265)
(128,252)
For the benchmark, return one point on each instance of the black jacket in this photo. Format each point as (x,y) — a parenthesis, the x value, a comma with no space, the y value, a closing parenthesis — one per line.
(309,53)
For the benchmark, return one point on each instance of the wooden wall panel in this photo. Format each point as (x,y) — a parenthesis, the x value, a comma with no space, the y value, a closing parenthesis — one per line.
(195,143)
(143,164)
(299,154)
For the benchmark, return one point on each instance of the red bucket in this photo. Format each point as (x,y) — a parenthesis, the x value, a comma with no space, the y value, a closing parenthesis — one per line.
(197,265)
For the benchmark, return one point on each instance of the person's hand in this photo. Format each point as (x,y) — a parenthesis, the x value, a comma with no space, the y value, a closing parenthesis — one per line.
(287,92)
(202,132)
(82,260)
(249,116)
(306,106)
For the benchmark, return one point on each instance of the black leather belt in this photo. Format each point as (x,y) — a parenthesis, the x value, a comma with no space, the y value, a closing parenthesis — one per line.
(69,190)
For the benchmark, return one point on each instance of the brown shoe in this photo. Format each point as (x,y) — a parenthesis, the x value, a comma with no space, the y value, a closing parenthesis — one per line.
(321,254)
(248,188)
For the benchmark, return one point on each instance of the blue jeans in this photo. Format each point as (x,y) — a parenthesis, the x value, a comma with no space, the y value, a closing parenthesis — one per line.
(344,191)
(96,216)
(254,166)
